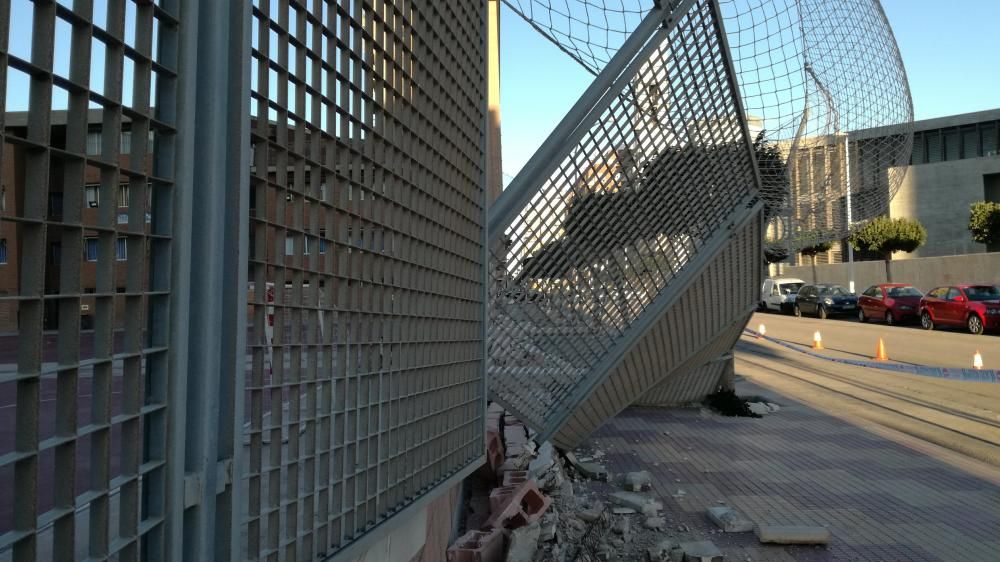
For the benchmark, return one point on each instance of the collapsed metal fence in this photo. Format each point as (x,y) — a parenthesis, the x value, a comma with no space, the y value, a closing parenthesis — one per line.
(630,199)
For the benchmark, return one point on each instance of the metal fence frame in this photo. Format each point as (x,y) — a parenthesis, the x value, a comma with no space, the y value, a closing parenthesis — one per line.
(184,486)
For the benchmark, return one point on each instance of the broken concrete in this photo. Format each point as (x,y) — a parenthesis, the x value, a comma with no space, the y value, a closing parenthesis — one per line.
(666,551)
(701,551)
(593,471)
(656,523)
(638,481)
(591,513)
(524,543)
(793,534)
(544,461)
(759,408)
(637,501)
(623,526)
(729,520)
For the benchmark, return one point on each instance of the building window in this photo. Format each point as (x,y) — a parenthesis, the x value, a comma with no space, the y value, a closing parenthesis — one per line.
(56,204)
(90,249)
(970,143)
(322,241)
(3,199)
(305,240)
(123,195)
(934,147)
(3,251)
(990,139)
(121,249)
(93,143)
(93,194)
(952,150)
(126,142)
(289,245)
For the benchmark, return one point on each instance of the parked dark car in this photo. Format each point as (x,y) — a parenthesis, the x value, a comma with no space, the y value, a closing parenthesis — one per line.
(974,307)
(824,300)
(891,302)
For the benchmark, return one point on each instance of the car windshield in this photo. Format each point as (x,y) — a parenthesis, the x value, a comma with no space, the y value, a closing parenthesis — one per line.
(983,293)
(835,291)
(904,292)
(790,288)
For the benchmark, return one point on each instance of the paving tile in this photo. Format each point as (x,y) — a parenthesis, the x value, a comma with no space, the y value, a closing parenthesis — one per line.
(880,499)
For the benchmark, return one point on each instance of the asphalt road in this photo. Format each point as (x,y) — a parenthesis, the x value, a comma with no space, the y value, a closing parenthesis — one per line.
(908,343)
(957,415)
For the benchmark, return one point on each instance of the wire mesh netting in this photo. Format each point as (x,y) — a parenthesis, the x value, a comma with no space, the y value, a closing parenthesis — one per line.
(823,87)
(626,212)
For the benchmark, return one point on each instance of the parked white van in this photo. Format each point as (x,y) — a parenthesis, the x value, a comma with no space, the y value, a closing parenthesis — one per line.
(779,294)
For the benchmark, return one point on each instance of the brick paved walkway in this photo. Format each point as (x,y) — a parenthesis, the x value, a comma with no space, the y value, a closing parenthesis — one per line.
(881,498)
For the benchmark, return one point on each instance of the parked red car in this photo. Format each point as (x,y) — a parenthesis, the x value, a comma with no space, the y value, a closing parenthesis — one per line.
(975,307)
(891,302)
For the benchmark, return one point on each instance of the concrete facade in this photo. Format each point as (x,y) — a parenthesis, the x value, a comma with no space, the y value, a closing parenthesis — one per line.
(955,163)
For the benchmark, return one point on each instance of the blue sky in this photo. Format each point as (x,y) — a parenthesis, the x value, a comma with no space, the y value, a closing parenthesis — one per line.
(950,51)
(951,55)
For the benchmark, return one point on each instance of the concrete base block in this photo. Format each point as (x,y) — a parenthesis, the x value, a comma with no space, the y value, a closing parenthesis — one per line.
(793,534)
(730,520)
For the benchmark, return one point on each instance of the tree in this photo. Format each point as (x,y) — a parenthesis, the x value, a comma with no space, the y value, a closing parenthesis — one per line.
(984,224)
(774,254)
(812,244)
(886,236)
(773,175)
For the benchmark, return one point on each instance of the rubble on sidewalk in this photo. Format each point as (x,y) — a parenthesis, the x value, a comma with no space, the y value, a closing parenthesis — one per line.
(523,543)
(793,534)
(729,520)
(701,551)
(638,481)
(478,546)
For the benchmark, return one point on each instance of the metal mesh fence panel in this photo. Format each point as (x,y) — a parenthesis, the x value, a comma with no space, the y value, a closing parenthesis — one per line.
(366,386)
(630,212)
(716,302)
(824,89)
(87,141)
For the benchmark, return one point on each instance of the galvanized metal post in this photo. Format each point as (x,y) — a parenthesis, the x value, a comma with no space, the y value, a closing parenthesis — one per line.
(208,272)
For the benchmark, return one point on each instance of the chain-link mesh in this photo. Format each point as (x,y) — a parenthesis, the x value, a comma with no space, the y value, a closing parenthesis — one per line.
(627,212)
(813,74)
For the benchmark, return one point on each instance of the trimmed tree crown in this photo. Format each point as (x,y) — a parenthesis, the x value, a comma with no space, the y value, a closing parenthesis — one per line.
(984,222)
(886,236)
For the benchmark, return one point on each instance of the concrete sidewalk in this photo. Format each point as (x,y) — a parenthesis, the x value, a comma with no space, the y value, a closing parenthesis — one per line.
(883,495)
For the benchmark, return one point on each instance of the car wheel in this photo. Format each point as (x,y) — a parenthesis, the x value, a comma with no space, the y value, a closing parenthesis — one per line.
(889,318)
(762,307)
(975,324)
(861,316)
(797,311)
(926,322)
(821,312)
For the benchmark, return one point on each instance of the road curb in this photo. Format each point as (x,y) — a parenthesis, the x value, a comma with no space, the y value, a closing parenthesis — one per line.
(969,375)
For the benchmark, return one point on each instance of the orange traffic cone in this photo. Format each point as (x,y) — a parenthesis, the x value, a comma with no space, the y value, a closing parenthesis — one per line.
(817,340)
(761,330)
(977,360)
(880,354)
